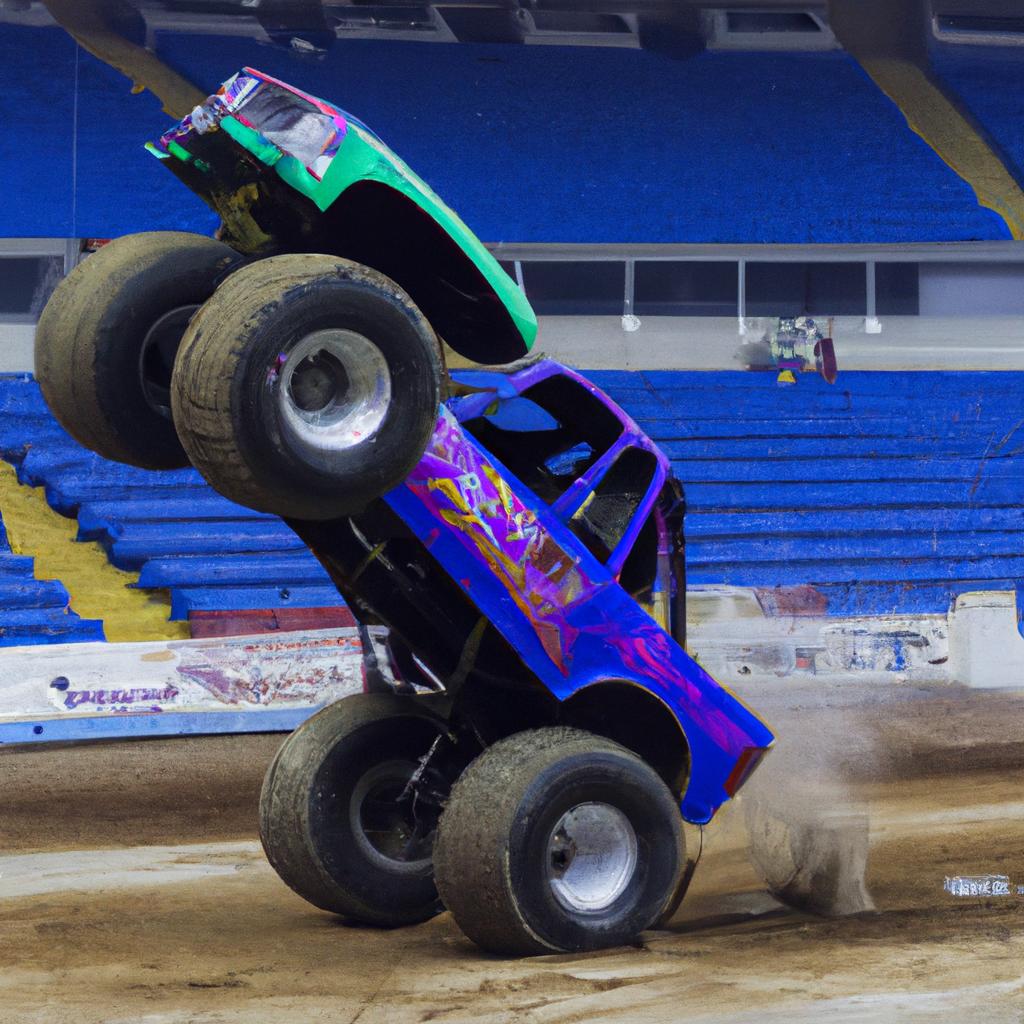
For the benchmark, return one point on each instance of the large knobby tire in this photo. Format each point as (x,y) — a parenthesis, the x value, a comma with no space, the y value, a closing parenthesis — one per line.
(556,840)
(106,341)
(330,821)
(307,386)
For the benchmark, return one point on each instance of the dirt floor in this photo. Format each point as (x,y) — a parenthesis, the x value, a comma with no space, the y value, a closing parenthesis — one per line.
(132,889)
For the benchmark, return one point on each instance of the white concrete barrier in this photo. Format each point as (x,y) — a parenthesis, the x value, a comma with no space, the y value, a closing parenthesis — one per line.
(986,646)
(976,644)
(264,683)
(271,683)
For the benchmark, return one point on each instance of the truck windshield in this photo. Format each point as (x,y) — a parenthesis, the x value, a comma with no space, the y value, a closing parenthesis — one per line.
(548,436)
(293,124)
(552,434)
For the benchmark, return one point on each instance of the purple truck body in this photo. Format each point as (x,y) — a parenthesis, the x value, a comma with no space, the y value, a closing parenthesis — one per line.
(562,609)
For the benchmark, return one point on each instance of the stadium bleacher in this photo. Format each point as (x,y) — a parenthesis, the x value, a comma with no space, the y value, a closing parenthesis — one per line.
(989,82)
(725,147)
(36,611)
(32,611)
(886,493)
(170,527)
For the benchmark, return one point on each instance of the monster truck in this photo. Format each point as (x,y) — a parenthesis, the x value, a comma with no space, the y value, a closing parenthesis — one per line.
(545,734)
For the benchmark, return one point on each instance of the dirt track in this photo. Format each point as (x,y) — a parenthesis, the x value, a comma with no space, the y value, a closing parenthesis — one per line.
(236,946)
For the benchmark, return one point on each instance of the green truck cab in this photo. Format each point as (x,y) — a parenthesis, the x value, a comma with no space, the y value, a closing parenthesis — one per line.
(290,173)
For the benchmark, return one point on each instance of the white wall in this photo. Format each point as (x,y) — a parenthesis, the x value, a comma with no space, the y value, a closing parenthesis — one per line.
(714,343)
(16,347)
(958,289)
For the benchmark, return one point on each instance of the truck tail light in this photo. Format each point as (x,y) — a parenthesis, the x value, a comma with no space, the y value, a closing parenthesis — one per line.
(748,760)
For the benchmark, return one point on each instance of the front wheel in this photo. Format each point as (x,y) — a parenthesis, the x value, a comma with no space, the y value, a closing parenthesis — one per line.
(556,840)
(348,812)
(307,386)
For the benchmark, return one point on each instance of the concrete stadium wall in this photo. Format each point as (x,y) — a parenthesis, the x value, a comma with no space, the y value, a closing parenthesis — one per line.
(714,343)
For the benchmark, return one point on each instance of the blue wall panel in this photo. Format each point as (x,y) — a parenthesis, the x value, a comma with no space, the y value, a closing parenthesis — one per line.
(122,187)
(36,132)
(104,185)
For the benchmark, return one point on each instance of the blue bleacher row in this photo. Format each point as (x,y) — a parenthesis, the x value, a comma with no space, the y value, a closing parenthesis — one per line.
(36,611)
(171,527)
(989,82)
(589,144)
(888,492)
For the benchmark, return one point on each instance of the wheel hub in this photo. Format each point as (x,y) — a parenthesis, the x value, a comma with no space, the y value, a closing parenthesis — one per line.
(385,820)
(319,382)
(591,857)
(156,357)
(334,390)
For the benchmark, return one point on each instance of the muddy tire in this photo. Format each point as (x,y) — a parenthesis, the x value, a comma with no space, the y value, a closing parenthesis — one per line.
(308,386)
(558,840)
(106,341)
(330,821)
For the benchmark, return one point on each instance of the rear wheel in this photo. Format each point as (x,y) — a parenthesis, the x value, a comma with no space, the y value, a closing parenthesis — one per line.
(307,386)
(558,840)
(107,339)
(344,822)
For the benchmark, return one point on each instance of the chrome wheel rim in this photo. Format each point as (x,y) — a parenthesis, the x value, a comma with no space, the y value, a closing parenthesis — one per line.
(591,857)
(333,392)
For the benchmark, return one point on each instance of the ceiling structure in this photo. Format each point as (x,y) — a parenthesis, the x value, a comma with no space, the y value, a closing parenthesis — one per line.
(678,28)
(315,24)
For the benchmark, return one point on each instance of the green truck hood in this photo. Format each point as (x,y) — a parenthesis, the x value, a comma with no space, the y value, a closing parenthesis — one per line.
(352,156)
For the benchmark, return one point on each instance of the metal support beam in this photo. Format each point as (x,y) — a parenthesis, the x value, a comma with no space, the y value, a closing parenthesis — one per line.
(630,321)
(872,325)
(741,295)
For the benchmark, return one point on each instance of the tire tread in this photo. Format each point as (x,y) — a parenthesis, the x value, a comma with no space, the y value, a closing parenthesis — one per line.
(80,328)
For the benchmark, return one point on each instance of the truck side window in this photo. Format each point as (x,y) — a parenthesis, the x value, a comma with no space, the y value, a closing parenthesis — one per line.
(584,416)
(640,569)
(602,520)
(648,569)
(533,444)
(548,436)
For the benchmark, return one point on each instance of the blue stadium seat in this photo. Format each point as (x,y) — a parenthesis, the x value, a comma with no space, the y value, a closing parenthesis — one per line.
(989,82)
(586,144)
(888,493)
(35,611)
(170,527)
